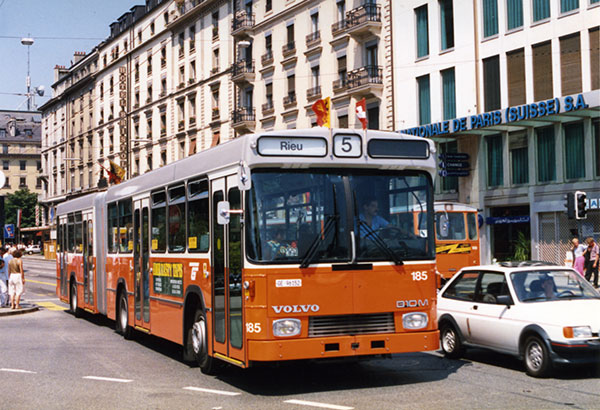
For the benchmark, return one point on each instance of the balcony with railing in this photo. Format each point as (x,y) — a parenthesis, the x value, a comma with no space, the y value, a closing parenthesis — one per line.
(341,84)
(243,118)
(364,20)
(365,80)
(289,100)
(242,71)
(339,27)
(288,49)
(268,108)
(267,58)
(313,93)
(242,24)
(313,39)
(216,114)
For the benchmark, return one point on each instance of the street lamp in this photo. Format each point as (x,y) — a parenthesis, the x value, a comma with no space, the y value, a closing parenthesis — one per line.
(28,41)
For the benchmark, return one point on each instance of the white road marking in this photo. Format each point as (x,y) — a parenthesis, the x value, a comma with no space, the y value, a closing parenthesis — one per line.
(108,379)
(316,404)
(223,392)
(17,371)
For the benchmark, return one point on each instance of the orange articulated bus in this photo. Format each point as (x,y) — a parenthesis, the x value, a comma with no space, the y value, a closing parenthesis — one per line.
(456,238)
(270,247)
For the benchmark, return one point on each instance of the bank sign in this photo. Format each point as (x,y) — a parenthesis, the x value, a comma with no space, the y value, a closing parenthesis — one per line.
(504,116)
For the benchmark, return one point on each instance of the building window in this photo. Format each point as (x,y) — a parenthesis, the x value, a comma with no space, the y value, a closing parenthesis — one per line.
(515,67)
(494,160)
(491,83)
(595,57)
(449,94)
(490,18)
(541,10)
(373,117)
(570,64)
(343,121)
(5,165)
(422,31)
(449,183)
(514,14)
(22,165)
(268,5)
(446,24)
(215,25)
(22,182)
(546,154)
(542,71)
(574,151)
(215,62)
(568,5)
(519,158)
(424,100)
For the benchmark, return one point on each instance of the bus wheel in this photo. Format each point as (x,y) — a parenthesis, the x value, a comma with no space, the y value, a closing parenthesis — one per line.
(122,322)
(73,300)
(197,342)
(450,341)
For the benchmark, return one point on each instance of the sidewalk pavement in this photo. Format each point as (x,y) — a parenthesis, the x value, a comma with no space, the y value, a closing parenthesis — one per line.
(25,308)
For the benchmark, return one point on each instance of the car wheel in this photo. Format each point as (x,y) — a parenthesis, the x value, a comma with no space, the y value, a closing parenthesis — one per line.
(450,342)
(537,358)
(197,344)
(122,322)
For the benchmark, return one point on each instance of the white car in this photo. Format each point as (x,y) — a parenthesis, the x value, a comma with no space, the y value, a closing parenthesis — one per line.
(31,249)
(542,313)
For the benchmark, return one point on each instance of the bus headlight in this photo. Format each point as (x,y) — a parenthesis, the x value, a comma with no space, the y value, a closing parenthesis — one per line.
(286,327)
(577,331)
(415,320)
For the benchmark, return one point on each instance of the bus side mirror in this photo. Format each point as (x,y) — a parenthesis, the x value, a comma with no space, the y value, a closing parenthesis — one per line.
(223,214)
(244,178)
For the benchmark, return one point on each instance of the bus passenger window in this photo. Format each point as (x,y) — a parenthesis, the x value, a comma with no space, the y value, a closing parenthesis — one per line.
(472,223)
(78,233)
(71,234)
(198,235)
(125,227)
(158,237)
(176,219)
(113,226)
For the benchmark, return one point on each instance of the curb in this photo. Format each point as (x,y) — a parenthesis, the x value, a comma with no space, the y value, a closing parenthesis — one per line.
(25,308)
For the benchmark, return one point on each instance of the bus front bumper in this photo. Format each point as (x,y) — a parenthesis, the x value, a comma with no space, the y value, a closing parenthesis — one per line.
(341,346)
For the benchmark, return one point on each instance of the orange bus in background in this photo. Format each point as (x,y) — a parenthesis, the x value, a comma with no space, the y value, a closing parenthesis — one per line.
(259,249)
(456,238)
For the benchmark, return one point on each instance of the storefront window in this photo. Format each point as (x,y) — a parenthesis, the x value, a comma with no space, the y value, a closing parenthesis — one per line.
(546,154)
(574,151)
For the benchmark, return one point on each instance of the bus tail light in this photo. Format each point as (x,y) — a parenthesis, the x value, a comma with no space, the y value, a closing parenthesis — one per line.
(414,320)
(286,327)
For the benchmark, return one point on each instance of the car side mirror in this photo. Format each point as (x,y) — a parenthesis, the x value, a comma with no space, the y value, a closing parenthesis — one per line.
(505,300)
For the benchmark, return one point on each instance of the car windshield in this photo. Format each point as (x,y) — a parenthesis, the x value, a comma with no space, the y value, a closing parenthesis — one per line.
(545,285)
(318,215)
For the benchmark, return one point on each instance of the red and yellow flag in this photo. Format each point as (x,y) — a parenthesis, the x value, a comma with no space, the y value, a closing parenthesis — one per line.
(322,108)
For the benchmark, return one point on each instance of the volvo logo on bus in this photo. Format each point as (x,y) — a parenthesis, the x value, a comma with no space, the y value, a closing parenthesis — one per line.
(296,308)
(401,304)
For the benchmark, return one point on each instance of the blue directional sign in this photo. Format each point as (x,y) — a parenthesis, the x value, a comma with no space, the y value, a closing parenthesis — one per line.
(9,231)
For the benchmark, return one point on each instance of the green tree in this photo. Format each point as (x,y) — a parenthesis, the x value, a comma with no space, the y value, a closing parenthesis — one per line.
(26,201)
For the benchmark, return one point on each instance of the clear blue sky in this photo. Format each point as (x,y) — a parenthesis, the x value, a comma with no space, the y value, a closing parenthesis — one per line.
(59,28)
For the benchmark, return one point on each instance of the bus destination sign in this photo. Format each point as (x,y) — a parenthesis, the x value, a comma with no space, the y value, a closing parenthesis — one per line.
(292,147)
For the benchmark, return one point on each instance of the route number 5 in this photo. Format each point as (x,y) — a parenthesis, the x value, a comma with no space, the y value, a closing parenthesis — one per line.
(347,145)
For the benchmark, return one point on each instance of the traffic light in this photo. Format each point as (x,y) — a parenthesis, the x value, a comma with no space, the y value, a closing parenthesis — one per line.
(570,205)
(580,205)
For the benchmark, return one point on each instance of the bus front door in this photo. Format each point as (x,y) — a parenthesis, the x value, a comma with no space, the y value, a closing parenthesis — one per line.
(88,260)
(141,264)
(227,263)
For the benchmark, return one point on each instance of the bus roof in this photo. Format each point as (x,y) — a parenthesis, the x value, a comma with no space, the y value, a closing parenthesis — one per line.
(440,206)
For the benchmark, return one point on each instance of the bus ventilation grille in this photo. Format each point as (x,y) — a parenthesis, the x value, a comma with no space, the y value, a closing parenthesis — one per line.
(319,326)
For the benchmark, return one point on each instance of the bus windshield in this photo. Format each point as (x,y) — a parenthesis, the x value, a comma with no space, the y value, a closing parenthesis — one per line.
(341,216)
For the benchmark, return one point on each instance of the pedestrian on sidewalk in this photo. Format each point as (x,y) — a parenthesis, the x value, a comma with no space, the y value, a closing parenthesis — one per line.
(578,250)
(3,283)
(16,280)
(592,265)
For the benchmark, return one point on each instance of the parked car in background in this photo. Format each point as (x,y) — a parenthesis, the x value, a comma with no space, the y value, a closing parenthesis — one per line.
(31,249)
(542,313)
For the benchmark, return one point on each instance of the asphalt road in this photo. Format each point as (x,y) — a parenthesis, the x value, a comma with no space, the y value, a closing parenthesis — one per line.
(51,359)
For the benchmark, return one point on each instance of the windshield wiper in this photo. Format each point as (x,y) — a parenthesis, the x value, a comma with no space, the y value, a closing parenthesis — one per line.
(373,236)
(330,220)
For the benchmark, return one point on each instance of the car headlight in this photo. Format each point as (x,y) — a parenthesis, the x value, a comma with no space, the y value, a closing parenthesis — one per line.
(577,332)
(415,320)
(286,327)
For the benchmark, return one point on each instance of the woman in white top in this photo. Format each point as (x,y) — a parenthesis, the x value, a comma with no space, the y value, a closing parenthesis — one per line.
(578,258)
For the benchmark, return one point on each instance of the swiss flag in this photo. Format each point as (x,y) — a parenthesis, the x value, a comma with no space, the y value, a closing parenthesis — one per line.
(361,112)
